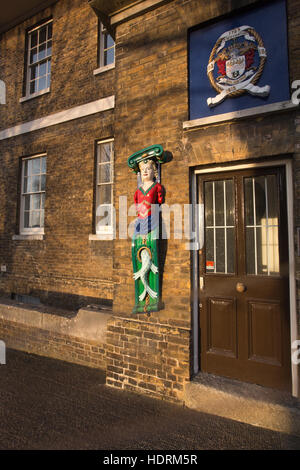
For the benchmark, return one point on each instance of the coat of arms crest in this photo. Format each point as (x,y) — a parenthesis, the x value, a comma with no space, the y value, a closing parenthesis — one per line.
(236,63)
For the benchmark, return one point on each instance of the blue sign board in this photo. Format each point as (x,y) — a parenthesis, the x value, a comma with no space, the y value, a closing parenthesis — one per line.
(239,62)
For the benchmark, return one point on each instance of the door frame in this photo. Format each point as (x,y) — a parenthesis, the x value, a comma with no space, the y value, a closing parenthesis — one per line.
(198,215)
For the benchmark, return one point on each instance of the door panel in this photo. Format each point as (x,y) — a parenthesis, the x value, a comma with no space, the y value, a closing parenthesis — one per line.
(262,317)
(222,327)
(244,296)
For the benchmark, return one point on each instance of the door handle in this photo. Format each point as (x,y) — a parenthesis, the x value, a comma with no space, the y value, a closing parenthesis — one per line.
(240,287)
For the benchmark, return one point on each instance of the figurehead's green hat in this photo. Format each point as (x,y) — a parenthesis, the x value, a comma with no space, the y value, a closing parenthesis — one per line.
(154,152)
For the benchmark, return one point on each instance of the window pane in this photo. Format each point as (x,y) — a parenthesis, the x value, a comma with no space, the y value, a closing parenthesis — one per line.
(26,219)
(25,167)
(109,42)
(33,72)
(35,201)
(43,34)
(109,56)
(104,218)
(49,66)
(43,69)
(35,187)
(43,162)
(105,152)
(33,55)
(33,39)
(48,81)
(29,167)
(43,201)
(49,48)
(26,186)
(49,31)
(36,166)
(104,173)
(43,183)
(35,219)
(42,212)
(42,52)
(27,203)
(105,194)
(33,87)
(42,83)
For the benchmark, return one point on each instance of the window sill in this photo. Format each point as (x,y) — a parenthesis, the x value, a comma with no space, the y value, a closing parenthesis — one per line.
(34,95)
(31,236)
(103,69)
(101,236)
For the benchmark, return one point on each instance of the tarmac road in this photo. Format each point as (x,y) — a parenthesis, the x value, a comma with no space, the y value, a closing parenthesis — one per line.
(50,404)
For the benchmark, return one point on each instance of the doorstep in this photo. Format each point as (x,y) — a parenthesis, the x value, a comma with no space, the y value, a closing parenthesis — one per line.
(243,402)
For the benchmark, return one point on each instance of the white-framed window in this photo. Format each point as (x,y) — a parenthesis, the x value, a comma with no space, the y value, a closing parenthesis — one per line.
(106,47)
(104,216)
(33,192)
(38,73)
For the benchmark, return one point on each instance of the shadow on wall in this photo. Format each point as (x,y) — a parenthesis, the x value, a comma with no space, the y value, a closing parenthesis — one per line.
(62,300)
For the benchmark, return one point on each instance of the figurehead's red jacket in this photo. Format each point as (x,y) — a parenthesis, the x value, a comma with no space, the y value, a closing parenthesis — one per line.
(144,199)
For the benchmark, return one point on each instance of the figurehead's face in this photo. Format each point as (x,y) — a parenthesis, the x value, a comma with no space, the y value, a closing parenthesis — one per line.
(147,171)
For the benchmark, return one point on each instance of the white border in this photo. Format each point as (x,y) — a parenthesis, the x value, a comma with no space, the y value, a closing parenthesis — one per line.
(58,118)
(292,280)
(267,108)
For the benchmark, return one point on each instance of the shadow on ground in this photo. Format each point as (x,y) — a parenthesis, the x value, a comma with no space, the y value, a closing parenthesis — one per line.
(50,404)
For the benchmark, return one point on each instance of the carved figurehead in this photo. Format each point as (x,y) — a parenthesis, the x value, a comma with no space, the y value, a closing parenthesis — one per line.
(145,242)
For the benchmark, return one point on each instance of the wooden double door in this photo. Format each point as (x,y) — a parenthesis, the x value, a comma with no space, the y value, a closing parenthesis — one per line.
(244,277)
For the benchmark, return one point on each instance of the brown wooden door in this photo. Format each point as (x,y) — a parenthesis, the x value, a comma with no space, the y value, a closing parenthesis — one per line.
(244,284)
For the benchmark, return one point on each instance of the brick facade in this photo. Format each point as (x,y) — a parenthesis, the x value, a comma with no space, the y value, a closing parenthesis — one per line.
(151,354)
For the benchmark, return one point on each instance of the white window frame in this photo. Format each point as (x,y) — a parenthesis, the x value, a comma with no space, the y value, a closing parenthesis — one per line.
(29,230)
(107,229)
(28,65)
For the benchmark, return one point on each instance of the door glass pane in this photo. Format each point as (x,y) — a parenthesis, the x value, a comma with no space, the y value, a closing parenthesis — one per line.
(209,204)
(220,227)
(230,250)
(229,202)
(210,263)
(260,200)
(262,224)
(250,249)
(249,211)
(220,250)
(219,203)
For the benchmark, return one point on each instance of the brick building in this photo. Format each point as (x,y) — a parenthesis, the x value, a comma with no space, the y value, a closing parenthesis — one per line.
(87,85)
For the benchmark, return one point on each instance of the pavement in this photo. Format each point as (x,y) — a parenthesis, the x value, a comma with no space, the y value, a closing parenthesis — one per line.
(48,404)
